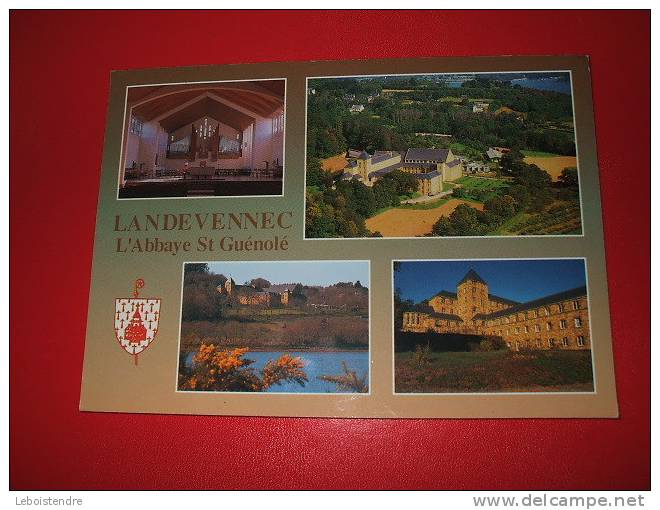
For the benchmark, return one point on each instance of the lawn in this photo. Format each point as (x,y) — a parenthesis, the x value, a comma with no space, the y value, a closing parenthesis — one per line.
(495,371)
(481,183)
(481,189)
(423,206)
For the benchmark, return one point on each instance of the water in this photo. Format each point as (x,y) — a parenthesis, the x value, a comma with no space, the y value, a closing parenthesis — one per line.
(316,364)
(563,86)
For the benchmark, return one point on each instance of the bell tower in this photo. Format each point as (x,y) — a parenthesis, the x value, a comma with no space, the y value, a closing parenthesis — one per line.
(472,294)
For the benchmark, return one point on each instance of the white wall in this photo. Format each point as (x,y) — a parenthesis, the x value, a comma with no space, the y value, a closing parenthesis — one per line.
(268,145)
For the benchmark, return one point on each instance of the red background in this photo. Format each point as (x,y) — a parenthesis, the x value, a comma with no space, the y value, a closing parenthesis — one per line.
(60,74)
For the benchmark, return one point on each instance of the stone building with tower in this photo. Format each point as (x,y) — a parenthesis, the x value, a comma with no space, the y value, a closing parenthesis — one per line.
(557,321)
(431,167)
(275,295)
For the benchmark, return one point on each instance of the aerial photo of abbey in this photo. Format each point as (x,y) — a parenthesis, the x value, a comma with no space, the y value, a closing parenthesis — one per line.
(504,325)
(481,154)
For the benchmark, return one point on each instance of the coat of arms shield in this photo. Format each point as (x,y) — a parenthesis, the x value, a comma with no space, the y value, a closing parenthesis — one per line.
(136,321)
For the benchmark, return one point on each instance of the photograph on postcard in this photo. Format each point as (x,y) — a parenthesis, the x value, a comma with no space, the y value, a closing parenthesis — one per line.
(482,326)
(442,155)
(206,139)
(278,327)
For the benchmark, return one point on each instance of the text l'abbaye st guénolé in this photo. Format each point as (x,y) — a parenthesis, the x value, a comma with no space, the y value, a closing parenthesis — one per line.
(156,233)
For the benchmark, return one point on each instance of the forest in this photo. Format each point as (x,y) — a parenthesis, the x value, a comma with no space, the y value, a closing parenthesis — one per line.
(393,120)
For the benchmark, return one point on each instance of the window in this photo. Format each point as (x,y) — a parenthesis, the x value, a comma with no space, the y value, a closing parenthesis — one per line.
(578,322)
(538,343)
(562,324)
(535,314)
(561,307)
(548,326)
(517,331)
(278,123)
(564,341)
(580,341)
(136,126)
(576,305)
(546,311)
(537,328)
(526,329)
(551,342)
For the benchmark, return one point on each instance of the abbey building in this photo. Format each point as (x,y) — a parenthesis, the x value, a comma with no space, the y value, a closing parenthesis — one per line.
(557,321)
(431,167)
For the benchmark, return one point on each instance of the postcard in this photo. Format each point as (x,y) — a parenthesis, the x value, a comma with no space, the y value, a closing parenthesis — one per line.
(415,238)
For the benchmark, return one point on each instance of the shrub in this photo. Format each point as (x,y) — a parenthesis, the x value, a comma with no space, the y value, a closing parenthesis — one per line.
(348,381)
(229,370)
(422,354)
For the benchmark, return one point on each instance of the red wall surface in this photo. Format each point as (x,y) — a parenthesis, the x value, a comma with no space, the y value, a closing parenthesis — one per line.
(60,74)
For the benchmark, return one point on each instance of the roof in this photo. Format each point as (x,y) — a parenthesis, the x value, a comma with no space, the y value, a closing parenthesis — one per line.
(364,155)
(386,170)
(383,156)
(422,166)
(492,153)
(553,298)
(445,293)
(428,175)
(472,275)
(281,287)
(432,313)
(493,297)
(176,106)
(434,155)
(453,163)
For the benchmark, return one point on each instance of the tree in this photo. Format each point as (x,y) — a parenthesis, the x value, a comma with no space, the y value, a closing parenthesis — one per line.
(260,283)
(569,177)
(406,184)
(197,268)
(385,193)
(500,207)
(465,221)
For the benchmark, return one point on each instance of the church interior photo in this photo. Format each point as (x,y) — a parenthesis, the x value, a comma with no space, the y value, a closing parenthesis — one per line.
(203,140)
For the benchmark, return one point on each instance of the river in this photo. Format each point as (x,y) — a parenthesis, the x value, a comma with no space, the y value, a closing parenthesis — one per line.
(316,364)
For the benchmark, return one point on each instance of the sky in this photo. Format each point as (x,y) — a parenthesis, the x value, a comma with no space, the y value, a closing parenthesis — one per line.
(308,273)
(520,280)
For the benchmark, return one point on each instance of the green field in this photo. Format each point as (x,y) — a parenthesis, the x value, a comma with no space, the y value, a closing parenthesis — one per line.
(495,371)
(512,225)
(425,205)
(482,183)
(481,189)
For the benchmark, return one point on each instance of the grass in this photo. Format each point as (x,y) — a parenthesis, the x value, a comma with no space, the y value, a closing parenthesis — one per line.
(495,371)
(512,225)
(481,183)
(423,206)
(538,154)
(491,187)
